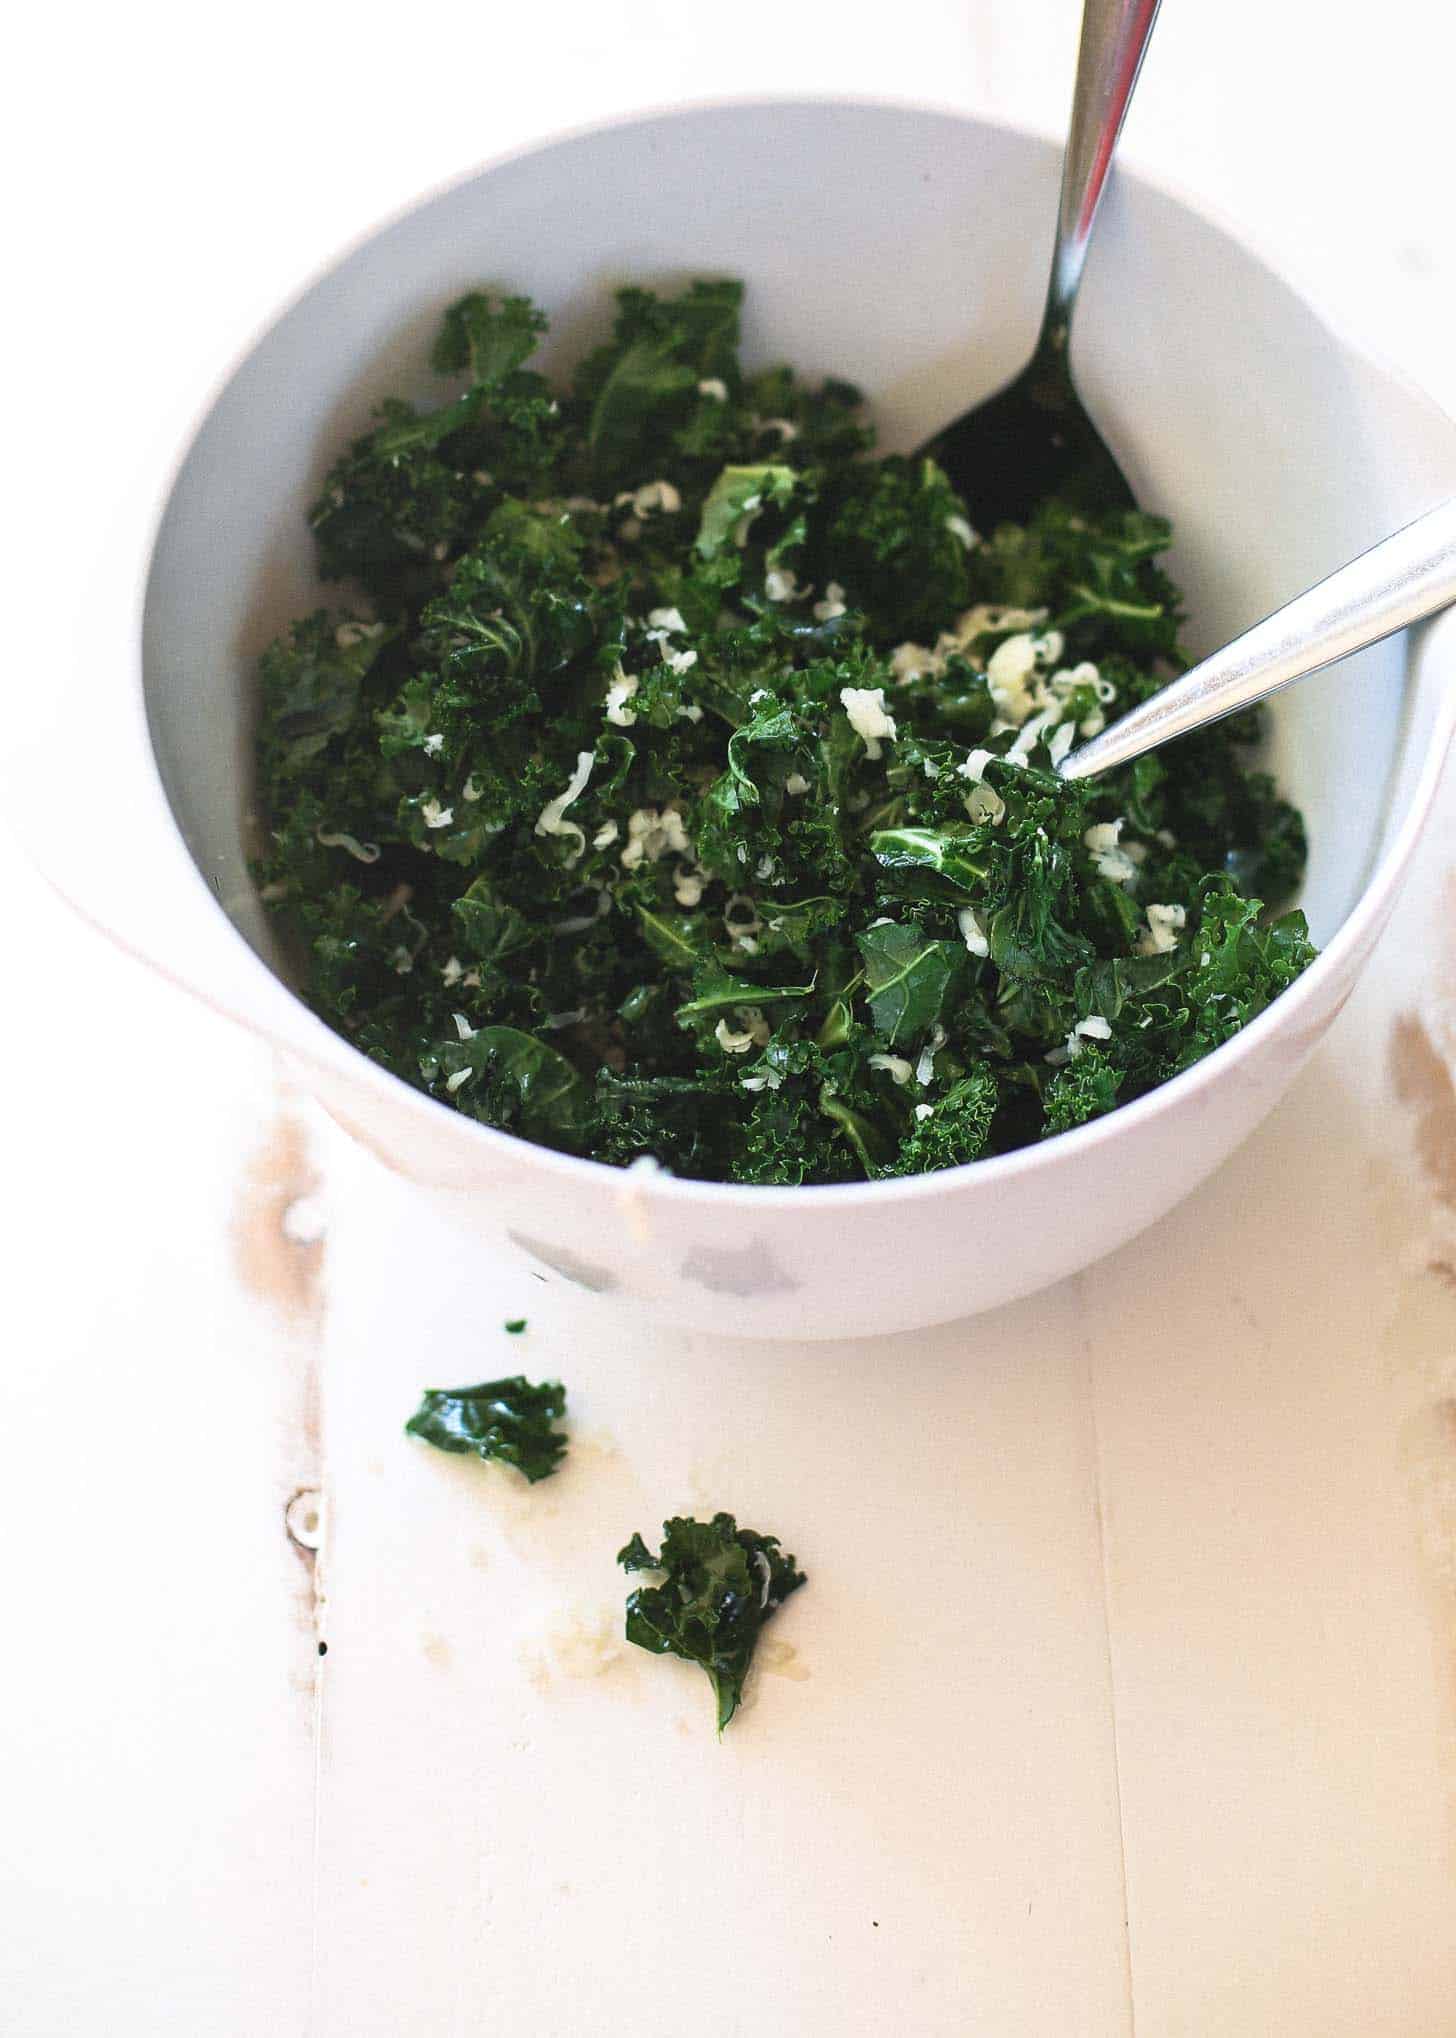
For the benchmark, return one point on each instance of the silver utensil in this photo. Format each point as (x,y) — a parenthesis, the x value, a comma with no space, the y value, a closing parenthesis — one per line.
(1034,438)
(1395,583)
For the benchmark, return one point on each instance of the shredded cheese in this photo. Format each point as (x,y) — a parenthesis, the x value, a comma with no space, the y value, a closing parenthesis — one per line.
(865,707)
(348,635)
(621,690)
(1111,861)
(781,584)
(1094,1027)
(362,852)
(651,496)
(652,833)
(1165,924)
(550,822)
(908,661)
(756,1031)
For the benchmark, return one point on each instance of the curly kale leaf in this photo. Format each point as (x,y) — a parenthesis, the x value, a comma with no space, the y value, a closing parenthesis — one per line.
(518,609)
(506,1419)
(1096,574)
(720,1584)
(1030,926)
(1084,1089)
(487,338)
(895,540)
(858,1129)
(785,1139)
(956,1130)
(644,382)
(578,835)
(1240,965)
(511,1078)
(409,496)
(737,820)
(311,683)
(1230,965)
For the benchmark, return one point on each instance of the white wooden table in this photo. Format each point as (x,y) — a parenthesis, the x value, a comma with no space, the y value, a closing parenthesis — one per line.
(1122,1693)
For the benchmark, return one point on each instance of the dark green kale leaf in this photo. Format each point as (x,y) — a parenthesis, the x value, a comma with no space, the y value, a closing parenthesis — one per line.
(958,855)
(312,682)
(786,1138)
(1096,574)
(1029,927)
(720,1584)
(1084,1089)
(907,978)
(644,382)
(410,495)
(1240,965)
(487,338)
(518,611)
(489,930)
(718,996)
(860,1131)
(569,824)
(956,1130)
(394,508)
(506,1419)
(895,538)
(511,1078)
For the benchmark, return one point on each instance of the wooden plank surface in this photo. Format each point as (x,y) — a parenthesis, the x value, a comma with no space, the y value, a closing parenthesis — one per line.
(158,1741)
(1121,1695)
(1275,1372)
(920,1807)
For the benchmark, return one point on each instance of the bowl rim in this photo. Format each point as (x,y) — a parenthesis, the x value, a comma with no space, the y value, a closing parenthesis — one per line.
(321,1045)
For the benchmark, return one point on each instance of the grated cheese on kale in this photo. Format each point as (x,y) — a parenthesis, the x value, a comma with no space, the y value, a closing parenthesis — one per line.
(681,775)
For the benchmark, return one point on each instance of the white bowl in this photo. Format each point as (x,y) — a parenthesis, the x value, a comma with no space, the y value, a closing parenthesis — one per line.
(905,249)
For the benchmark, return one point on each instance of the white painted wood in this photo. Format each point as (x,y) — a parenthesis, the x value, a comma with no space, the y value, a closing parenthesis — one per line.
(156,1711)
(503,1840)
(1275,1369)
(523,1821)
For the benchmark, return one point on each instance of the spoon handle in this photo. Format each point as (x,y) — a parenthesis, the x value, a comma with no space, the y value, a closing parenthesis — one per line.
(1115,36)
(1397,582)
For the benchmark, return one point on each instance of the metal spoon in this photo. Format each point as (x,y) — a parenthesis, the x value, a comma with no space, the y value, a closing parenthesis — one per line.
(1033,438)
(1395,583)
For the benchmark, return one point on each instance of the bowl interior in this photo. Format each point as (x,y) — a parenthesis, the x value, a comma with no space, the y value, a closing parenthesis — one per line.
(903,249)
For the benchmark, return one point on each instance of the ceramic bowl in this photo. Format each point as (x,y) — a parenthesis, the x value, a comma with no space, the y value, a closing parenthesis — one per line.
(905,249)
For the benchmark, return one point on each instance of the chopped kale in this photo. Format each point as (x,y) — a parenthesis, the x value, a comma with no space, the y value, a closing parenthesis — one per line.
(681,780)
(720,1584)
(506,1419)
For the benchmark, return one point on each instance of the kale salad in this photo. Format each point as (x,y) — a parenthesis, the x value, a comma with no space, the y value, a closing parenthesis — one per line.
(677,780)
